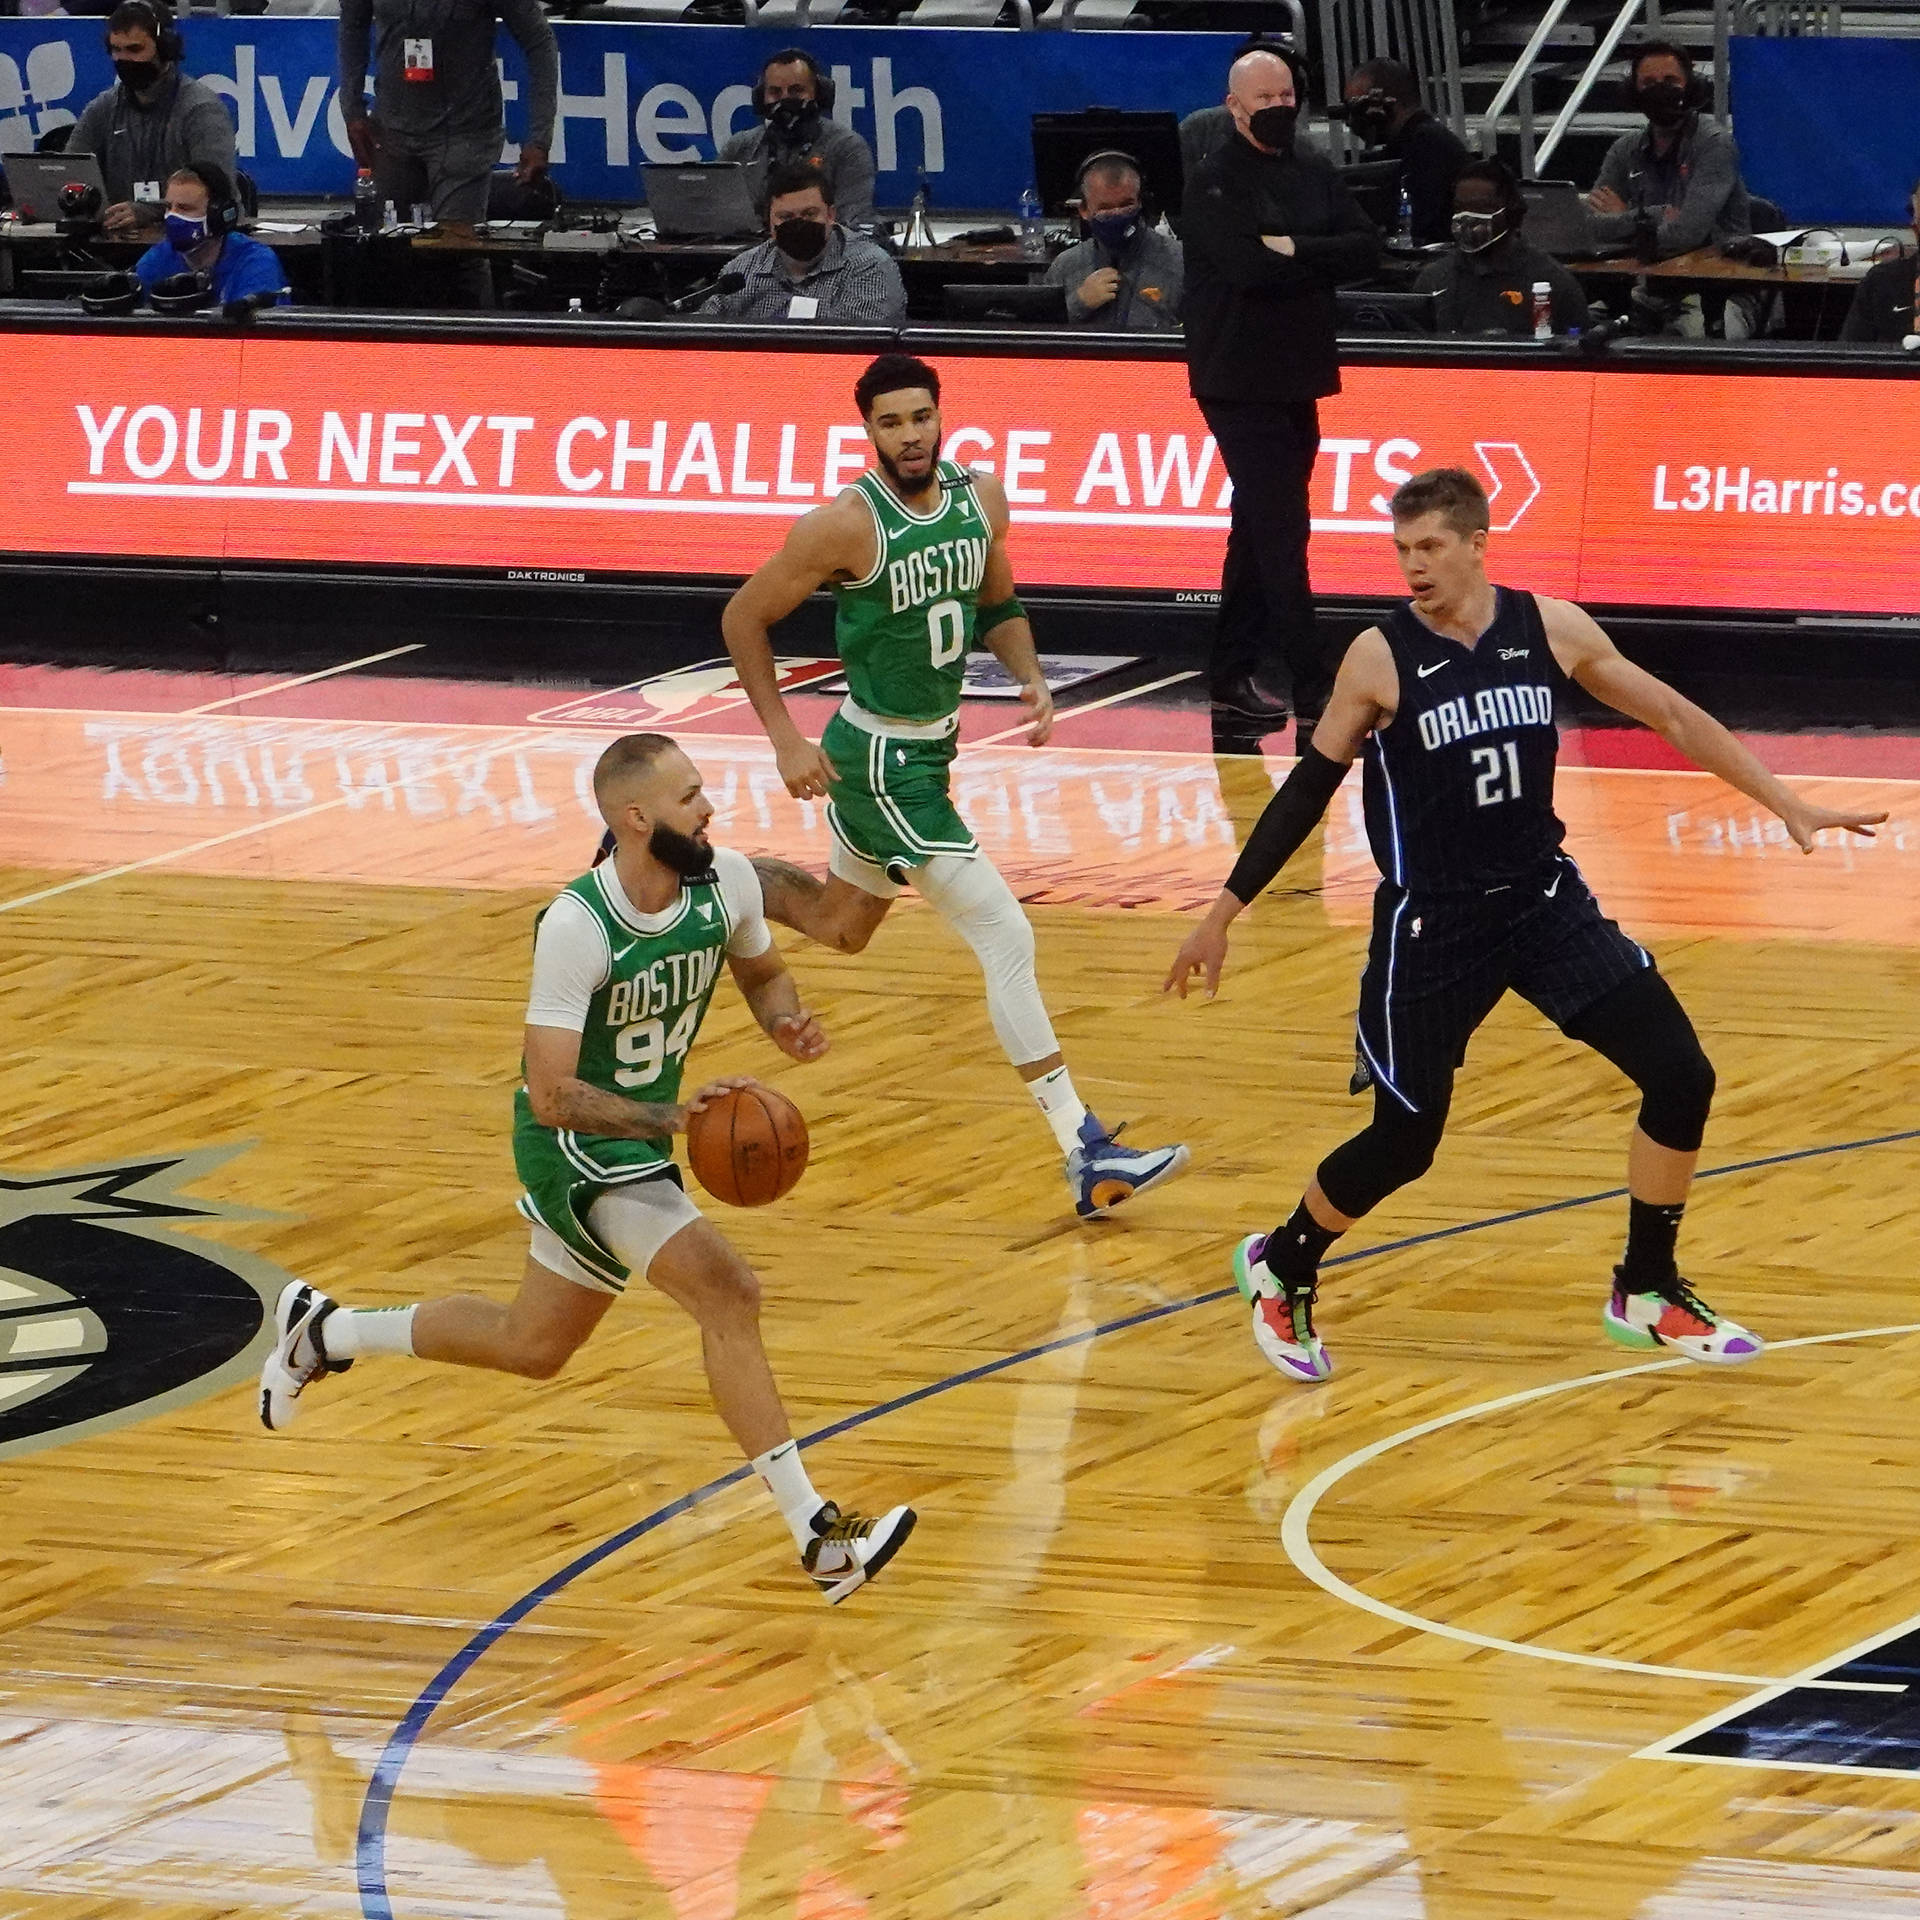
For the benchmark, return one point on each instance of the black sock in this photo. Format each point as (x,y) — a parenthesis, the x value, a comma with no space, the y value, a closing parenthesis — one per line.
(1294,1251)
(1651,1233)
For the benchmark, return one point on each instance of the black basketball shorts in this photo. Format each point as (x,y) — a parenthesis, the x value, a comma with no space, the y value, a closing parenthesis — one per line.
(1438,964)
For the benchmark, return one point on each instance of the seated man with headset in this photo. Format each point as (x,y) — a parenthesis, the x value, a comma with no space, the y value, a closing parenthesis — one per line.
(793,100)
(1124,275)
(1486,278)
(204,242)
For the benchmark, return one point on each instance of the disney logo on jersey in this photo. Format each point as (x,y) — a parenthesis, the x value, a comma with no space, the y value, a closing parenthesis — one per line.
(698,692)
(936,572)
(1488,710)
(108,1314)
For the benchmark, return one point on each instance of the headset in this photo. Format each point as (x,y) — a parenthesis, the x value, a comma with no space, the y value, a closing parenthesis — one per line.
(794,56)
(1108,156)
(223,202)
(168,47)
(111,293)
(1698,94)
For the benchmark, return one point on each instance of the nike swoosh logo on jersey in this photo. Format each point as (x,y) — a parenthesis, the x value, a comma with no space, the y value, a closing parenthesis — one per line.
(624,951)
(1435,668)
(1555,888)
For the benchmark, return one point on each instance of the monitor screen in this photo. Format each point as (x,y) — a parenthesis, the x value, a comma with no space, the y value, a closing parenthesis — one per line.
(1063,142)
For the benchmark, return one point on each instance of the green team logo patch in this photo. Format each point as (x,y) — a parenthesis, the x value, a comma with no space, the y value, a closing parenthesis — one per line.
(108,1313)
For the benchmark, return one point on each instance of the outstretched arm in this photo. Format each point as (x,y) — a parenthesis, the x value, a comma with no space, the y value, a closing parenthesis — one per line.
(1365,693)
(1003,627)
(1586,655)
(825,544)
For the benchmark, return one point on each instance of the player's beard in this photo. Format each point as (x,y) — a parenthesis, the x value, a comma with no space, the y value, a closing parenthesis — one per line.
(687,854)
(901,483)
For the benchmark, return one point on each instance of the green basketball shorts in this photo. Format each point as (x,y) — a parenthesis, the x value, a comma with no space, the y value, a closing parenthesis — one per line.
(892,806)
(592,1223)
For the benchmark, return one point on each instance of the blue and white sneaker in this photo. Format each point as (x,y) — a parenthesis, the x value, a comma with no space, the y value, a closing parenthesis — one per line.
(1282,1315)
(1102,1173)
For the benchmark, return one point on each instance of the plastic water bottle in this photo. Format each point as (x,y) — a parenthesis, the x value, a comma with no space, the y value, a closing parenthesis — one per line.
(1403,226)
(1542,310)
(1033,227)
(366,202)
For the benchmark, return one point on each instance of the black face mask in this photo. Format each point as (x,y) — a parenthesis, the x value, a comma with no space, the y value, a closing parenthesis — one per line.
(1274,127)
(802,240)
(795,121)
(687,854)
(136,75)
(1371,117)
(1664,102)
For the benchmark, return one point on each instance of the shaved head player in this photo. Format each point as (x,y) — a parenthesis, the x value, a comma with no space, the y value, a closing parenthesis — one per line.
(1452,698)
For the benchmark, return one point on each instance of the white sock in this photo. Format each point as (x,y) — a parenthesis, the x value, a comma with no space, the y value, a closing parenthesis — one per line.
(351,1331)
(1063,1107)
(786,1479)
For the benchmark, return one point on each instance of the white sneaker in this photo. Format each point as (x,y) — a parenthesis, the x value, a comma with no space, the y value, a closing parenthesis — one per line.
(299,1354)
(848,1550)
(1282,1315)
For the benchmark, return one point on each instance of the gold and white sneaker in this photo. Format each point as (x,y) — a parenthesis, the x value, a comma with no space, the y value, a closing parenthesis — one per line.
(848,1549)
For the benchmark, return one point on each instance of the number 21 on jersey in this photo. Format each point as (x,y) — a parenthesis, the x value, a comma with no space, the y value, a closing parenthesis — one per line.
(1488,788)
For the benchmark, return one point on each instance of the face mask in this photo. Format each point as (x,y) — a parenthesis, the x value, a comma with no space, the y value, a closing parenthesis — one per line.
(1114,231)
(136,75)
(1371,119)
(794,120)
(801,240)
(183,235)
(1664,103)
(1476,232)
(1273,127)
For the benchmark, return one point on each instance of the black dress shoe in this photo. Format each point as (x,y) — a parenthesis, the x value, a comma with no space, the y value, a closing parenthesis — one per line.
(1245,699)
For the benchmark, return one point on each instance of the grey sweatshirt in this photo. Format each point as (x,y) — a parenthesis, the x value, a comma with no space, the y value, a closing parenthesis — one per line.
(185,122)
(462,100)
(1694,189)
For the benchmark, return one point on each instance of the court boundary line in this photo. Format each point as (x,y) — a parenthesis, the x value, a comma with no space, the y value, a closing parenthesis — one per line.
(303,680)
(1090,706)
(370,1837)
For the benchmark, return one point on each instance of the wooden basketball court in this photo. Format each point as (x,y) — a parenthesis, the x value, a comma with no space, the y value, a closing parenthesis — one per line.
(1175,1639)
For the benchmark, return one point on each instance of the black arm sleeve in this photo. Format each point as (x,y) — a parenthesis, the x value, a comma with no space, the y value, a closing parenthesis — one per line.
(1290,816)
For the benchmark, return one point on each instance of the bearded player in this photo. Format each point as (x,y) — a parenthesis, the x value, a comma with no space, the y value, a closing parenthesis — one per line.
(1452,698)
(916,554)
(625,962)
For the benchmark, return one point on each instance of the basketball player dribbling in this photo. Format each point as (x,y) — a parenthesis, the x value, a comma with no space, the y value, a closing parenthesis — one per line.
(625,962)
(1452,700)
(916,554)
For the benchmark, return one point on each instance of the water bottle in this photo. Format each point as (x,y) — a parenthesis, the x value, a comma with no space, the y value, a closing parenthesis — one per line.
(366,202)
(1033,227)
(1542,310)
(1403,226)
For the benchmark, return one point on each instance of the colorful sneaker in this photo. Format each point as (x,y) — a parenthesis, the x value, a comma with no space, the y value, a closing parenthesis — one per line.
(299,1354)
(1282,1315)
(1675,1316)
(1102,1173)
(848,1550)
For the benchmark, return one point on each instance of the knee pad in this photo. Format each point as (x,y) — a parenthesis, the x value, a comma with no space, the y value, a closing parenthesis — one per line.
(1396,1149)
(972,897)
(1644,1030)
(1676,1100)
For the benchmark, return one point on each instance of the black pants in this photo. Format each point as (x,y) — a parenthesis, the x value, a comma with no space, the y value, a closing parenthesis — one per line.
(1266,621)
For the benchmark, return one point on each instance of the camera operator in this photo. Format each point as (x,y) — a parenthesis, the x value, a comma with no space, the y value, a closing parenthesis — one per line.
(153,119)
(1383,108)
(793,100)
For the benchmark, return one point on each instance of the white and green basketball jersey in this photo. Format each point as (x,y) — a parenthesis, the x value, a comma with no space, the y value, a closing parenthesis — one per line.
(644,1015)
(904,631)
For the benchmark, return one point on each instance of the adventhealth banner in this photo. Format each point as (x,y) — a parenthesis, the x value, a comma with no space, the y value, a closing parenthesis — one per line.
(955,101)
(1682,490)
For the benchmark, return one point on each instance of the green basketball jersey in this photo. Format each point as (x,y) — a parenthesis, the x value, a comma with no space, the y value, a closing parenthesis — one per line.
(642,1020)
(905,630)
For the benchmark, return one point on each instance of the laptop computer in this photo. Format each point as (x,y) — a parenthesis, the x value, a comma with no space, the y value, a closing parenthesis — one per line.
(1560,222)
(702,200)
(35,180)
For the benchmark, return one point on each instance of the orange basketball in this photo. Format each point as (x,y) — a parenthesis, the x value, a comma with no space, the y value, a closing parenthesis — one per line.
(747,1147)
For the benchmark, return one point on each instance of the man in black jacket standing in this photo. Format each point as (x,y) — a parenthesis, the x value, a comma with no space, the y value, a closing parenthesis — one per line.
(1268,235)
